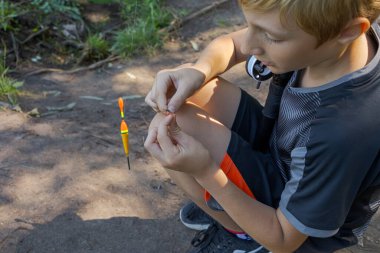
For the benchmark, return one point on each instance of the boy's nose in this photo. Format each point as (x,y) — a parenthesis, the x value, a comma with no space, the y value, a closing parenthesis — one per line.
(251,45)
(250,49)
(256,51)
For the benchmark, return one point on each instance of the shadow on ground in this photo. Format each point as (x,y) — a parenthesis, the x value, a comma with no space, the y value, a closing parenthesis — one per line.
(69,233)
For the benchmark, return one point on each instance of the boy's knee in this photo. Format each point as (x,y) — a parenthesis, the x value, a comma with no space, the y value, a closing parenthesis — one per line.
(186,117)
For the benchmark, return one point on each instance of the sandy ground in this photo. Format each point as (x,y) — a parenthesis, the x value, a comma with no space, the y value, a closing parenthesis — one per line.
(64,182)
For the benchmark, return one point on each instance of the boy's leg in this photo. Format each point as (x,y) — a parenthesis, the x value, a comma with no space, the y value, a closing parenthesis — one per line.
(221,100)
(195,192)
(208,118)
(241,115)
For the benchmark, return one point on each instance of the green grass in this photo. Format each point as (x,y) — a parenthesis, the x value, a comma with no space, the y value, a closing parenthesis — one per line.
(137,39)
(97,46)
(8,86)
(144,20)
(141,32)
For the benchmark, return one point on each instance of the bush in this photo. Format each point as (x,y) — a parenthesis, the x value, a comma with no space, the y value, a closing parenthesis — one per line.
(8,86)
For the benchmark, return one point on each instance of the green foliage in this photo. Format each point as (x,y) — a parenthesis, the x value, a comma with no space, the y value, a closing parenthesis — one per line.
(140,30)
(63,6)
(134,11)
(144,20)
(135,39)
(8,86)
(97,47)
(8,13)
(103,1)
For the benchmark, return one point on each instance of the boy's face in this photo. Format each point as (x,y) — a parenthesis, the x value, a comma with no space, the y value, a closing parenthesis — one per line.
(282,48)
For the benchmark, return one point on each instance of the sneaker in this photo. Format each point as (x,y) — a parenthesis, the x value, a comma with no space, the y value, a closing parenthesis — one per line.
(194,217)
(217,240)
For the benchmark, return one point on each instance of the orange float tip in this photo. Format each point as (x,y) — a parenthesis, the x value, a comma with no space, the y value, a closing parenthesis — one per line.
(121,106)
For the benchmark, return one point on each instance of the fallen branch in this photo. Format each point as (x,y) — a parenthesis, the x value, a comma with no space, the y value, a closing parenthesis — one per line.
(15,49)
(180,22)
(34,35)
(73,71)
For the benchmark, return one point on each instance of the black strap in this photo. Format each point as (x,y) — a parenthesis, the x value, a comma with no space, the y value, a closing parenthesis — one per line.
(271,109)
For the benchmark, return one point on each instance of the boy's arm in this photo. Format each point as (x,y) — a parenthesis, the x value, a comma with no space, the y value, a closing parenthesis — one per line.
(221,54)
(173,86)
(265,224)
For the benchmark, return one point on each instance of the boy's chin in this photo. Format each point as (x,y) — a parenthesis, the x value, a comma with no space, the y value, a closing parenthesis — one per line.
(278,71)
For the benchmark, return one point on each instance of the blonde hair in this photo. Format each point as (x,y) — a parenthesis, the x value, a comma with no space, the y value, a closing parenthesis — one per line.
(324,19)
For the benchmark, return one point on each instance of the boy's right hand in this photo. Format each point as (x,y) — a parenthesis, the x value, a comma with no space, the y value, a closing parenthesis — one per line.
(172,87)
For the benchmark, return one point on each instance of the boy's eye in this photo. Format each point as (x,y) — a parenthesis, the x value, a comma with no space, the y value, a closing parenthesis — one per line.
(270,39)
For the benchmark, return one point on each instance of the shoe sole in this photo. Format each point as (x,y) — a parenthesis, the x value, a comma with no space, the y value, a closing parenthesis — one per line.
(197,227)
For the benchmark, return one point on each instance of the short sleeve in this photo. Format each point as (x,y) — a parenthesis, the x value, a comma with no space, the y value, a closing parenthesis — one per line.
(325,177)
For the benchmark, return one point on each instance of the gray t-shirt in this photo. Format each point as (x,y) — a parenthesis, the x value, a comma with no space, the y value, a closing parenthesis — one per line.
(326,143)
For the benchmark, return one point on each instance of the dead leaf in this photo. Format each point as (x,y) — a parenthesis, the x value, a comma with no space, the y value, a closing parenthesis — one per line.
(132,76)
(34,113)
(194,45)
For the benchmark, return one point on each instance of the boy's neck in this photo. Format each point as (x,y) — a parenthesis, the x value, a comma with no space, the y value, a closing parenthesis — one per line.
(348,60)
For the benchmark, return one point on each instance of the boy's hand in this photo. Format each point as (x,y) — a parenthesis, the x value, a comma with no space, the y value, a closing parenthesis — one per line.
(172,87)
(176,150)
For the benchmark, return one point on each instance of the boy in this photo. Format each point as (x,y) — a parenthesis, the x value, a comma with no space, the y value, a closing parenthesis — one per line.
(317,186)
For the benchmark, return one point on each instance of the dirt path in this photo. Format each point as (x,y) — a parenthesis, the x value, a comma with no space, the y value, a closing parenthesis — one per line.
(64,182)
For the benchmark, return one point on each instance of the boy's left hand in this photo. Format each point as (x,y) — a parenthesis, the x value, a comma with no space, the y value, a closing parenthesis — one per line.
(177,150)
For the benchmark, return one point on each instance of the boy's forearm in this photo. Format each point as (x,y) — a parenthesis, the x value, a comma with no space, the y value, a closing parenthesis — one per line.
(220,55)
(265,224)
(216,57)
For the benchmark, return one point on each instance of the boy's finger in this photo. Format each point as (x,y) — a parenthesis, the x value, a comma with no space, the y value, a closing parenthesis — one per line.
(175,131)
(161,93)
(176,101)
(163,137)
(149,101)
(151,144)
(173,127)
(162,103)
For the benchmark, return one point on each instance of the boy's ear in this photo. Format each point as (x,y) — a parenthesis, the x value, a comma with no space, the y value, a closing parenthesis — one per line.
(353,30)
